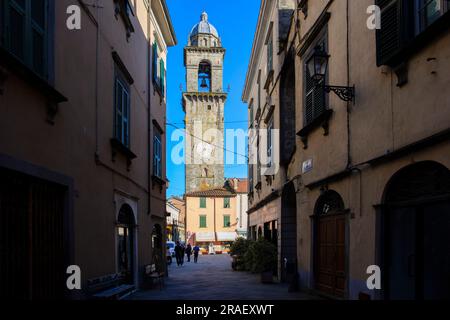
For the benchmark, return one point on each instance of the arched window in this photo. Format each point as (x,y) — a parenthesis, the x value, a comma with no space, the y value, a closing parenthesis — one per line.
(426,179)
(204,77)
(329,203)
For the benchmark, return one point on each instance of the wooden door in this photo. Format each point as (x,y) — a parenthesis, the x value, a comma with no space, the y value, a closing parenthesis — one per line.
(31,237)
(330,270)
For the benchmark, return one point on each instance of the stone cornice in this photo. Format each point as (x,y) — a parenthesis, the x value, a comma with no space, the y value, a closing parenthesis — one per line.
(206,94)
(205,49)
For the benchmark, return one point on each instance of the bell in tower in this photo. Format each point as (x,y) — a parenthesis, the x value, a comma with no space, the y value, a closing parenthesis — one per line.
(204,103)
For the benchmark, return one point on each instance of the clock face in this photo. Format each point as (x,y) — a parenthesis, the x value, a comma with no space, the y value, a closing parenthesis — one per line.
(204,150)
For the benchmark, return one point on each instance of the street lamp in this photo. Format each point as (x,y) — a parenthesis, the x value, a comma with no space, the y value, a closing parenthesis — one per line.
(317,66)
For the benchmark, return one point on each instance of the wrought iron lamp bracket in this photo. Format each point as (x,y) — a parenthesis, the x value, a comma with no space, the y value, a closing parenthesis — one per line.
(344,93)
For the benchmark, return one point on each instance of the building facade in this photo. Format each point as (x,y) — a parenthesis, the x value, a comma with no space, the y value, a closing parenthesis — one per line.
(370,176)
(180,205)
(204,103)
(211,218)
(240,187)
(172,222)
(267,171)
(82,144)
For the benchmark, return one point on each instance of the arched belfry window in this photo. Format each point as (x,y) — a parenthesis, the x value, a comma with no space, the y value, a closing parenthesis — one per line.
(329,203)
(204,77)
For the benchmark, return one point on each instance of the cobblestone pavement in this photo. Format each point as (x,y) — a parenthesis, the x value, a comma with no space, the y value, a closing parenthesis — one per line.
(213,279)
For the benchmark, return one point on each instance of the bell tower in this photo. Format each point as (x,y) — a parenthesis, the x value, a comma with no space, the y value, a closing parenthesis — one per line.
(203,103)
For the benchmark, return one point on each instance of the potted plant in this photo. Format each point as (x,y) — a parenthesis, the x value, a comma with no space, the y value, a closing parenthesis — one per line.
(263,259)
(237,252)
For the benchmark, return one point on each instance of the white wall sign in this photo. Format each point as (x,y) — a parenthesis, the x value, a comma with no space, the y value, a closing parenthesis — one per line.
(307,166)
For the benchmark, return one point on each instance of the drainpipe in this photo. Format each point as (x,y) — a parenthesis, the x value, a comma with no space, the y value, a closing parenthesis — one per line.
(149,107)
(215,234)
(97,36)
(349,158)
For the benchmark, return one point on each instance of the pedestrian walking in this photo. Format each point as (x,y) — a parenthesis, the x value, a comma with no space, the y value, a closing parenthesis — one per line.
(188,252)
(196,251)
(183,253)
(179,254)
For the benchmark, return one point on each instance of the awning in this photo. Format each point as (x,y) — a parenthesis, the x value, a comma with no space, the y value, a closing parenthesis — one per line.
(204,236)
(226,236)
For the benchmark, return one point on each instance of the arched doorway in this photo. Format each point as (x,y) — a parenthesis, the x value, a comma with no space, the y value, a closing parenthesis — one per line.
(330,274)
(288,233)
(417,233)
(157,249)
(125,244)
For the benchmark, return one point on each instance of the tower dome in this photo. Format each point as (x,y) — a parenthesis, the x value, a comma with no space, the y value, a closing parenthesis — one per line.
(203,28)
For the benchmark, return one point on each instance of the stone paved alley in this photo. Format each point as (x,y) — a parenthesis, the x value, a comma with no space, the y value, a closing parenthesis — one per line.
(213,279)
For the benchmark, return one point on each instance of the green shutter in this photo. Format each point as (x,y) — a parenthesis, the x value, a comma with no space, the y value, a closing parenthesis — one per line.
(202,203)
(226,202)
(202,221)
(155,63)
(163,76)
(226,221)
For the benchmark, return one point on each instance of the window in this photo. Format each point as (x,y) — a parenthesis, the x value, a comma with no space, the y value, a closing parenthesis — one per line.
(250,178)
(202,221)
(226,221)
(155,59)
(122,111)
(158,70)
(203,203)
(162,77)
(402,21)
(124,8)
(157,154)
(428,11)
(251,114)
(269,142)
(258,160)
(270,53)
(226,203)
(26,32)
(315,98)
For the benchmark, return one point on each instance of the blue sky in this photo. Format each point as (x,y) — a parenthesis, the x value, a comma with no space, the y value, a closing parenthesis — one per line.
(235,21)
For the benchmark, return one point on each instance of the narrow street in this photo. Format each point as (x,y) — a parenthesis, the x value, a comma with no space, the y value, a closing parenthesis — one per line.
(212,279)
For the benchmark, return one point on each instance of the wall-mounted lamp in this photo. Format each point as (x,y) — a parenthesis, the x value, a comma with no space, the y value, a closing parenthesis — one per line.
(317,67)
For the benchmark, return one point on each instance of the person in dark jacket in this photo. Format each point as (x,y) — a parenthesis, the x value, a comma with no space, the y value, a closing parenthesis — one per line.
(196,251)
(179,254)
(188,252)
